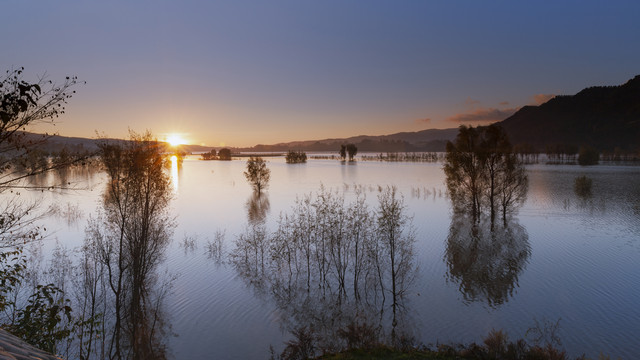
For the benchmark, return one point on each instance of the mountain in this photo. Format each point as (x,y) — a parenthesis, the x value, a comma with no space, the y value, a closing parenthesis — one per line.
(425,140)
(604,117)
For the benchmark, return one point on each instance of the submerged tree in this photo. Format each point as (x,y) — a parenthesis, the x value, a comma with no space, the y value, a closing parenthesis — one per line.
(224,154)
(331,266)
(296,157)
(257,173)
(395,239)
(352,150)
(482,170)
(128,239)
(588,156)
(464,170)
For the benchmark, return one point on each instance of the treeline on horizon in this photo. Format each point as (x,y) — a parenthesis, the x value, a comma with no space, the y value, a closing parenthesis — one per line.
(604,118)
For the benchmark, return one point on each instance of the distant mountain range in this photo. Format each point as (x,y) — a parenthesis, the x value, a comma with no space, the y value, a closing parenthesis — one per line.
(604,117)
(425,140)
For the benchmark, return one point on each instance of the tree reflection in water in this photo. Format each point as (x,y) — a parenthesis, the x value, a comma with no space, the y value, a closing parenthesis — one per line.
(120,296)
(258,206)
(485,260)
(336,271)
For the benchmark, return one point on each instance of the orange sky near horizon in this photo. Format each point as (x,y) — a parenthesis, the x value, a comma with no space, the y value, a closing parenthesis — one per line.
(245,73)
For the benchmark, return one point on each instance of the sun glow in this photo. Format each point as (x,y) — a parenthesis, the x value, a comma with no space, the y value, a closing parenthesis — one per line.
(175,139)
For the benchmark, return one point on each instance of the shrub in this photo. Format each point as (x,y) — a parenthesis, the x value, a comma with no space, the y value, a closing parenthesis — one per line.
(211,155)
(224,154)
(588,156)
(296,157)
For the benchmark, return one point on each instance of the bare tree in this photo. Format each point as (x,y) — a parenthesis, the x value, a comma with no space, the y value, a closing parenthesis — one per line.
(396,240)
(130,237)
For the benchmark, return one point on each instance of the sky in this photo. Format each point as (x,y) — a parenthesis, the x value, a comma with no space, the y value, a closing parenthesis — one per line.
(241,73)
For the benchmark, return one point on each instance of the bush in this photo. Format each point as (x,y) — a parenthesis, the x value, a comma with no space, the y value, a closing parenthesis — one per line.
(224,154)
(211,155)
(46,319)
(588,156)
(296,157)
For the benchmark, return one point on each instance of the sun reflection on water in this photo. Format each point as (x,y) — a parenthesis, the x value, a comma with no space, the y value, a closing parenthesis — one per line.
(174,173)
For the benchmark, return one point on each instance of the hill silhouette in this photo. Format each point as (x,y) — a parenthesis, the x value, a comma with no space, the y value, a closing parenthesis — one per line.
(425,140)
(603,117)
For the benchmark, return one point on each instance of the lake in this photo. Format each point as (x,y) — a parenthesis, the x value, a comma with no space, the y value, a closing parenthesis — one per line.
(562,259)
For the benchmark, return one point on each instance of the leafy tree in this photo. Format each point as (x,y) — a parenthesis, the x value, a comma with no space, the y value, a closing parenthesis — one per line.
(464,169)
(24,104)
(513,184)
(481,168)
(352,150)
(257,173)
(343,152)
(224,154)
(493,149)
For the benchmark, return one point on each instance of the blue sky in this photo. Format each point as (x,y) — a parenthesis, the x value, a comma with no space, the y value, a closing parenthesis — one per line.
(246,72)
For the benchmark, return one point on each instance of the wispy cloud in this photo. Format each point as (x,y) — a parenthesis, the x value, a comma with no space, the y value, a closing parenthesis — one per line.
(504,103)
(471,102)
(483,115)
(423,121)
(542,98)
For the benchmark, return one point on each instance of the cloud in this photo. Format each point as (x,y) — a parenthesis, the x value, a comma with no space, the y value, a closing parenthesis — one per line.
(542,98)
(423,121)
(470,102)
(504,103)
(484,115)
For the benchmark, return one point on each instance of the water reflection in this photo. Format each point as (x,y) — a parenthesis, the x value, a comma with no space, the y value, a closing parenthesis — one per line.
(484,259)
(336,271)
(175,180)
(258,206)
(121,296)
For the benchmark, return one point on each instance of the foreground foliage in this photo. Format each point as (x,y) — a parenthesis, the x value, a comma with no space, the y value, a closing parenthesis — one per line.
(495,346)
(38,313)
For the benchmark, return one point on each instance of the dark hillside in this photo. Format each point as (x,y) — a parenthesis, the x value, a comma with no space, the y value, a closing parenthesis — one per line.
(604,117)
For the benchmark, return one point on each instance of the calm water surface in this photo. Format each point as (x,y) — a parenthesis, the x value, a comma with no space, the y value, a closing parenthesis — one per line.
(562,257)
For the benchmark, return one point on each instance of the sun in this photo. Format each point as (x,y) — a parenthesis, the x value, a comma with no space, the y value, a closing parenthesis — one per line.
(175,139)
